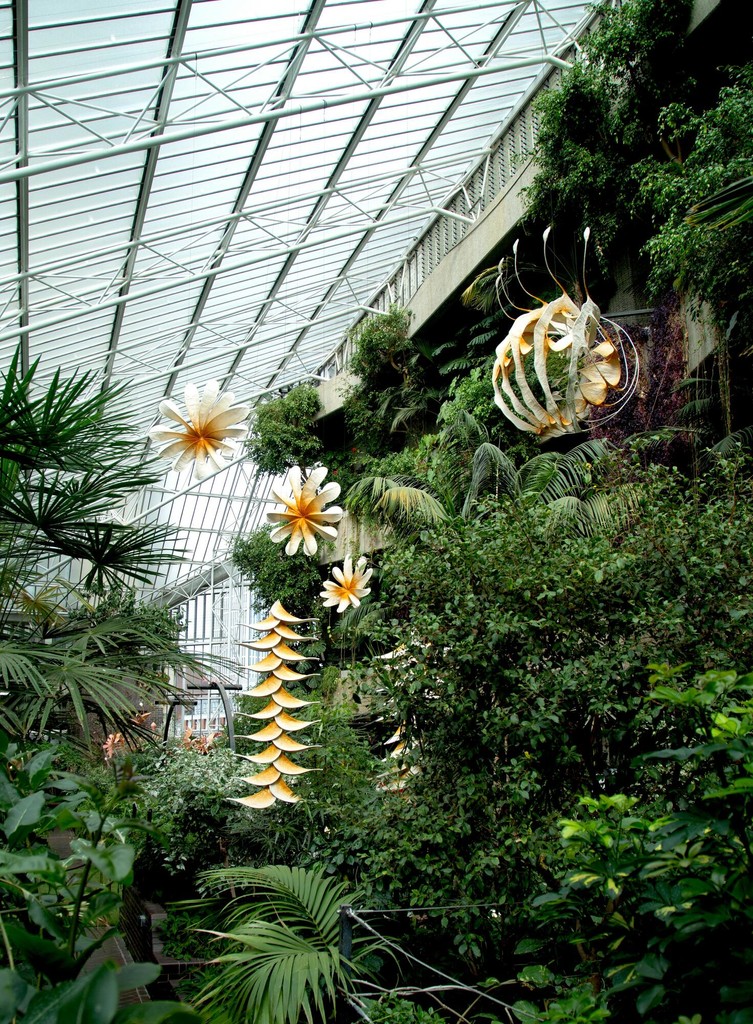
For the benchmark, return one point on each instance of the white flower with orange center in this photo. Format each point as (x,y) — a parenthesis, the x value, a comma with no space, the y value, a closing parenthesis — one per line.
(302,514)
(209,431)
(348,586)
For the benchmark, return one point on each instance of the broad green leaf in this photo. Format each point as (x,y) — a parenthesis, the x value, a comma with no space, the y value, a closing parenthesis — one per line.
(24,816)
(536,974)
(140,975)
(98,1002)
(37,769)
(45,956)
(529,946)
(113,862)
(12,994)
(30,863)
(8,792)
(649,999)
(526,1012)
(90,999)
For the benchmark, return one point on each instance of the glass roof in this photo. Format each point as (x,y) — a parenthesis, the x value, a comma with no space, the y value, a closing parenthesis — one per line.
(216,188)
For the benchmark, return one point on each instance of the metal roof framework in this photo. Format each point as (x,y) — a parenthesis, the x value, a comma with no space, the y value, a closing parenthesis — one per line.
(198,189)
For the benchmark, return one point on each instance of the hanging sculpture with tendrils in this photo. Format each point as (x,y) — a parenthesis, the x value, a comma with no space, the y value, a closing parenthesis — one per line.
(594,364)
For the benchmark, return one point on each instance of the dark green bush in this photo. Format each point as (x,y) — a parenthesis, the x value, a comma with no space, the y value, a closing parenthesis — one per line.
(283,433)
(274,576)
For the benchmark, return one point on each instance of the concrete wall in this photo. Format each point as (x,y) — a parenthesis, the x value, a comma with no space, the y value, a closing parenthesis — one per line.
(473,252)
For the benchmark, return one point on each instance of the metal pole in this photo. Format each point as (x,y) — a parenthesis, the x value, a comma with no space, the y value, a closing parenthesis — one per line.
(343,1010)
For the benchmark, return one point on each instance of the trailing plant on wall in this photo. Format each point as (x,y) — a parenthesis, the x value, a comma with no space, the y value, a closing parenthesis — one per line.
(283,432)
(632,143)
(294,580)
(605,116)
(382,347)
(394,393)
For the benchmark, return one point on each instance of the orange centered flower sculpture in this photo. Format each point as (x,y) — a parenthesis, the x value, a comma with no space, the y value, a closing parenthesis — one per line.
(348,586)
(208,433)
(302,514)
(278,723)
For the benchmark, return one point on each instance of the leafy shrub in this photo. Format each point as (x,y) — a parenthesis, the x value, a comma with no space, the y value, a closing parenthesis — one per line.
(274,576)
(655,903)
(182,938)
(283,433)
(381,346)
(54,906)
(521,679)
(185,796)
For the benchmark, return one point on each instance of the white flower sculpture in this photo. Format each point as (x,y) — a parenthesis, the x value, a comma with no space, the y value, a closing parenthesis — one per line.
(348,586)
(302,515)
(209,432)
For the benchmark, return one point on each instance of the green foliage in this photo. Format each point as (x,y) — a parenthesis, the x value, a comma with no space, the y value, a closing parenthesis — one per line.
(391,1009)
(274,576)
(185,795)
(630,144)
(182,940)
(381,345)
(727,208)
(712,266)
(521,675)
(284,960)
(67,463)
(283,433)
(605,116)
(53,907)
(67,460)
(658,900)
(395,393)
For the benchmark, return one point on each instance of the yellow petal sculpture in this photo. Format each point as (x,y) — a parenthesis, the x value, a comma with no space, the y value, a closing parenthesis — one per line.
(208,433)
(277,630)
(595,362)
(302,513)
(348,586)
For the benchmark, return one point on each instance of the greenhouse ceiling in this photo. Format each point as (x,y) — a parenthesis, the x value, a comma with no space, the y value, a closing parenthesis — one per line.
(217,188)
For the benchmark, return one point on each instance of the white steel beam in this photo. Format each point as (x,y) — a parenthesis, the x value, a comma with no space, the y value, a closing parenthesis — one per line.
(296,110)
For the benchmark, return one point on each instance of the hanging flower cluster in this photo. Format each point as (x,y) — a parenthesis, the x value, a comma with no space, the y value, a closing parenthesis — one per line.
(271,782)
(302,514)
(348,586)
(206,434)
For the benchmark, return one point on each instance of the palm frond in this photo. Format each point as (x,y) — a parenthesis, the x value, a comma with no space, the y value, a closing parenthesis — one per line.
(283,926)
(492,470)
(730,445)
(399,500)
(481,293)
(552,475)
(726,208)
(603,513)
